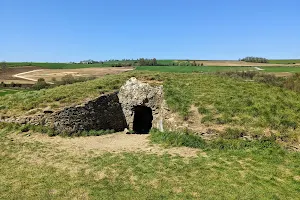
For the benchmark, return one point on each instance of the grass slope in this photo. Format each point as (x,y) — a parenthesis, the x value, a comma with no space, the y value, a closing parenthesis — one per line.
(254,108)
(4,92)
(40,170)
(58,97)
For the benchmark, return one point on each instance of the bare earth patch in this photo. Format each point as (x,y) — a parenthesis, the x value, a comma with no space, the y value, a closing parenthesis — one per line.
(194,124)
(28,75)
(7,76)
(48,74)
(113,143)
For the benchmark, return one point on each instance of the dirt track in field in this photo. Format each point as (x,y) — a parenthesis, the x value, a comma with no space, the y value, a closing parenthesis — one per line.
(48,74)
(31,74)
(7,76)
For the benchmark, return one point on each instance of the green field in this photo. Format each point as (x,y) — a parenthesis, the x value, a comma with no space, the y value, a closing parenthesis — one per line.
(287,61)
(190,69)
(59,65)
(281,69)
(76,66)
(8,91)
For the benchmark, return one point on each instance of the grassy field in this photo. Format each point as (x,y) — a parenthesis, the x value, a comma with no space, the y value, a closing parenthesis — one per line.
(4,92)
(76,66)
(190,69)
(282,69)
(291,61)
(35,169)
(59,65)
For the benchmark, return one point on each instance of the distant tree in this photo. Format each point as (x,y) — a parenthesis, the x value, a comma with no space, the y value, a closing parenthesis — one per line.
(2,85)
(255,59)
(154,61)
(142,62)
(40,84)
(3,65)
(68,79)
(147,62)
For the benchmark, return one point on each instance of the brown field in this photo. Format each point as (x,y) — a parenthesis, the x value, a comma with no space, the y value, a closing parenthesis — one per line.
(32,74)
(8,75)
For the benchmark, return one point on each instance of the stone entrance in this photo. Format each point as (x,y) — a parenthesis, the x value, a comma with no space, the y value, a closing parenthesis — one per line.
(142,105)
(137,106)
(142,121)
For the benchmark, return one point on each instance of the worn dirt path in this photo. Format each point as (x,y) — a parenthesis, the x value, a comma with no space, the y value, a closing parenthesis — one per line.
(113,143)
(21,75)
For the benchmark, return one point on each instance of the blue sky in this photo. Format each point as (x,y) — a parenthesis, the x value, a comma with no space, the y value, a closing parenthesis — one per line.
(73,30)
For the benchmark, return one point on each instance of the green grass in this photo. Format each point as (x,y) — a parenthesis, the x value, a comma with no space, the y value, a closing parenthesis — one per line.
(221,101)
(226,101)
(58,97)
(190,69)
(59,65)
(287,61)
(76,66)
(228,140)
(35,169)
(281,69)
(165,62)
(4,92)
(177,139)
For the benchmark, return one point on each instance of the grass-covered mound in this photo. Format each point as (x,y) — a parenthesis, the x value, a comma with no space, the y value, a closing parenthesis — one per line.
(4,92)
(252,108)
(256,107)
(58,97)
(38,167)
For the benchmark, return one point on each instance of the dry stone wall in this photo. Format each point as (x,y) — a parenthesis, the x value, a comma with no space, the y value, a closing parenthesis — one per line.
(102,113)
(111,111)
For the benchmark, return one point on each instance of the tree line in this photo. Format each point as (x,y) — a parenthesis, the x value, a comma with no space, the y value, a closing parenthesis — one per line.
(255,59)
(147,62)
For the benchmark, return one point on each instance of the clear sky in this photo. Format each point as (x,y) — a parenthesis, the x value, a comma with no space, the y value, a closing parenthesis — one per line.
(73,30)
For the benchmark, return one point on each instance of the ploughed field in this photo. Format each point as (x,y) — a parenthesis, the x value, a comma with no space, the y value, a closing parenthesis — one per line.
(49,74)
(29,75)
(7,76)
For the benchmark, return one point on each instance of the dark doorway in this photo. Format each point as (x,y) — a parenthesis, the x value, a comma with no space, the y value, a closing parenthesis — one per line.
(142,121)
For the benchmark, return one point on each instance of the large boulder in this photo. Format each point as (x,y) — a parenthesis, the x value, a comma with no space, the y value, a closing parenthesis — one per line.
(135,95)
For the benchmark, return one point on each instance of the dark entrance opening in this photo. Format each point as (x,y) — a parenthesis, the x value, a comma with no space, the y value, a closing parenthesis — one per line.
(142,122)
